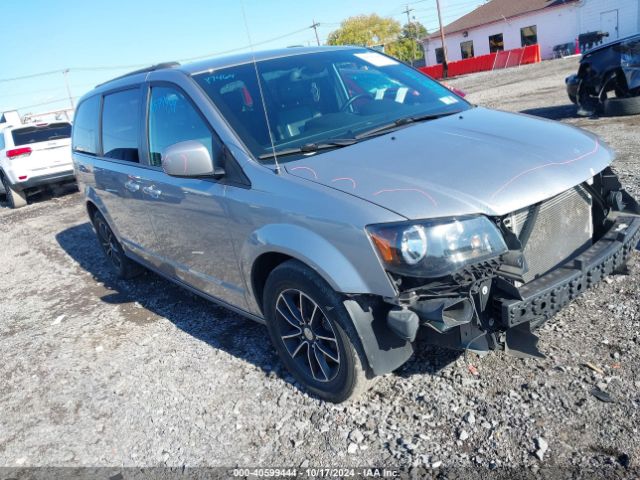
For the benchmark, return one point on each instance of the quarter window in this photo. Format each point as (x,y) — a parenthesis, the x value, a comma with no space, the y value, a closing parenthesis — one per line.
(529,35)
(466,49)
(496,43)
(120,125)
(86,125)
(173,119)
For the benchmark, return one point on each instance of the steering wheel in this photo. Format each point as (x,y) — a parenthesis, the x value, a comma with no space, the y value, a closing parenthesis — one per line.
(349,102)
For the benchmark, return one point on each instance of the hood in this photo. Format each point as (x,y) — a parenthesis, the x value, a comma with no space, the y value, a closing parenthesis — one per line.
(479,161)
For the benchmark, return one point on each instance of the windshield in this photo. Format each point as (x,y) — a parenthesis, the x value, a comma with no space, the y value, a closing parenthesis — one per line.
(318,97)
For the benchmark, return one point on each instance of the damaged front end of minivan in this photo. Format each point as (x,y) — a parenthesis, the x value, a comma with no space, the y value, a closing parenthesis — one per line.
(480,283)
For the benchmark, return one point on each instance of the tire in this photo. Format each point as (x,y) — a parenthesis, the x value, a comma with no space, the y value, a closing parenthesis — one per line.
(614,107)
(15,198)
(124,267)
(313,333)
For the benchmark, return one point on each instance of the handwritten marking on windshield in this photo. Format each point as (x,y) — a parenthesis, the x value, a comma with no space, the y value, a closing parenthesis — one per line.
(349,179)
(315,175)
(551,164)
(417,190)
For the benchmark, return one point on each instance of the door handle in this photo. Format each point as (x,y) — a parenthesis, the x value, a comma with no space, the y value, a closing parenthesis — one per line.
(152,191)
(132,186)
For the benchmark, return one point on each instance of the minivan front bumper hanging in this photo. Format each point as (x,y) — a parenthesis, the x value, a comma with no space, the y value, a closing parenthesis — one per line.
(543,297)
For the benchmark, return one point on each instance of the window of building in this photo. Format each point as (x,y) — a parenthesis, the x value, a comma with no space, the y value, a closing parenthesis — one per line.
(173,119)
(120,125)
(529,35)
(466,49)
(86,125)
(439,55)
(496,43)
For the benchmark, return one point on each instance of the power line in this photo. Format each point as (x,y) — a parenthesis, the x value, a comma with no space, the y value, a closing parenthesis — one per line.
(57,100)
(33,75)
(45,90)
(132,66)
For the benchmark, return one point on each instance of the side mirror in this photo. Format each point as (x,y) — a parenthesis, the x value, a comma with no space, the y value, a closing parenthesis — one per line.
(189,159)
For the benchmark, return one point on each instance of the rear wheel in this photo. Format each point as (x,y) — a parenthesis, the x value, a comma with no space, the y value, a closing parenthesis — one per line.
(124,267)
(15,198)
(313,334)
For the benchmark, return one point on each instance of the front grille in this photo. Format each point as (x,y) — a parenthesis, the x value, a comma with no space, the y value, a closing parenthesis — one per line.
(554,231)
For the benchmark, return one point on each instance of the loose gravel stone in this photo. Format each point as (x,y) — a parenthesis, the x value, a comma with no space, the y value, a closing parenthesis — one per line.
(470,418)
(542,447)
(356,436)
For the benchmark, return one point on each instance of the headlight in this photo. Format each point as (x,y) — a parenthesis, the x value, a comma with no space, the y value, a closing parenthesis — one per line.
(435,248)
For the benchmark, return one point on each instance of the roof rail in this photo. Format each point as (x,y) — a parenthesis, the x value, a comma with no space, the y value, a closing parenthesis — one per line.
(152,68)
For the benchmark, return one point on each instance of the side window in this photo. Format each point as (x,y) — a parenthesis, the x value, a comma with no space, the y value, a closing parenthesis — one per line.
(173,119)
(120,125)
(1,140)
(86,125)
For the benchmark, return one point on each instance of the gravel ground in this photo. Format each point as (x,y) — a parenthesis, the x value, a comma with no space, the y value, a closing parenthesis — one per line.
(101,372)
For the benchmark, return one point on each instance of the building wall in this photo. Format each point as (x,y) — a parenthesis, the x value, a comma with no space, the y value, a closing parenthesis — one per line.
(555,26)
(590,16)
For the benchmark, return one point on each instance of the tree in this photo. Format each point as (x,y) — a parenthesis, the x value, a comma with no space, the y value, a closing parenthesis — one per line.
(408,46)
(365,30)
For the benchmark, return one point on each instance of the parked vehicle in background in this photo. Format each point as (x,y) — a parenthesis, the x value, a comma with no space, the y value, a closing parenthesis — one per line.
(33,156)
(564,50)
(349,216)
(613,68)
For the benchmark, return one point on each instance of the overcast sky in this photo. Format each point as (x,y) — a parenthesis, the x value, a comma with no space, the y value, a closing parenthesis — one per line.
(44,35)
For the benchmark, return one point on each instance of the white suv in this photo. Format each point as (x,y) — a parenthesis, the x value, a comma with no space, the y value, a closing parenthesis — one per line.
(34,155)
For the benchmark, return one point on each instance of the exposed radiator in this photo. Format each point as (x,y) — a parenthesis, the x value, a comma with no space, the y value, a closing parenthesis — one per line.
(555,231)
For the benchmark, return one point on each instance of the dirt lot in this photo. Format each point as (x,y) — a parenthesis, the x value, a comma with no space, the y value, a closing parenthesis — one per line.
(100,372)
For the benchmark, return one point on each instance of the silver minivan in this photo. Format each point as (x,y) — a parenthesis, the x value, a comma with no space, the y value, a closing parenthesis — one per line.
(350,203)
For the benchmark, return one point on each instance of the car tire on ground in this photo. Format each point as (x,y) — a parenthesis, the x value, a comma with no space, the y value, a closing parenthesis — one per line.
(124,267)
(15,198)
(614,107)
(313,333)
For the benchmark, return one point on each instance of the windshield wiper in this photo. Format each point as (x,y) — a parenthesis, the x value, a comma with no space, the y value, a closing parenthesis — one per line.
(310,148)
(388,127)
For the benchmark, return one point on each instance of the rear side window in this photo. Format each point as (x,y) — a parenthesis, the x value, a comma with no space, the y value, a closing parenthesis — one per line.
(120,125)
(1,140)
(45,133)
(85,126)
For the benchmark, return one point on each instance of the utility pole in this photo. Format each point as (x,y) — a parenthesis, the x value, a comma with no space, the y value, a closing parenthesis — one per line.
(408,10)
(445,62)
(315,29)
(66,82)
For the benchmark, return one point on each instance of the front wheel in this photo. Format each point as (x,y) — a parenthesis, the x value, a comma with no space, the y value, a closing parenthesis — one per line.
(313,334)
